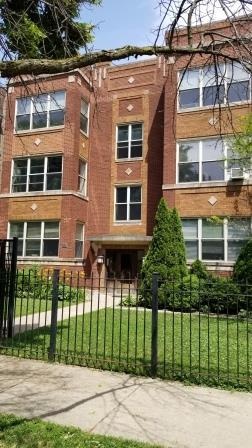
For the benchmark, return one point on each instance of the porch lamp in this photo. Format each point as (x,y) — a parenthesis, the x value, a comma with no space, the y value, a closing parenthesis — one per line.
(100,259)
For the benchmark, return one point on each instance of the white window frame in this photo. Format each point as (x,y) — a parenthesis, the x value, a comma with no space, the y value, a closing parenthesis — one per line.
(77,240)
(33,110)
(128,220)
(84,193)
(227,170)
(225,238)
(45,173)
(42,238)
(83,100)
(129,141)
(201,86)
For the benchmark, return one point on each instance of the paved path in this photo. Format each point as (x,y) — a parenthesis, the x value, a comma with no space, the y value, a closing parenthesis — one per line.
(42,319)
(139,408)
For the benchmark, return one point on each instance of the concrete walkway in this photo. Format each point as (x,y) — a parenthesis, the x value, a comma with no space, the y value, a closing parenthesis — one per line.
(39,320)
(155,411)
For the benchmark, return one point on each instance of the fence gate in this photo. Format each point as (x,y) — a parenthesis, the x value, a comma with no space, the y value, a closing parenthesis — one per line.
(8,267)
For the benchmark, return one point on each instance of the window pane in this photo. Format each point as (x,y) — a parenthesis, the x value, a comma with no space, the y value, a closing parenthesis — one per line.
(36,186)
(189,98)
(190,228)
(36,178)
(136,150)
(122,150)
(238,91)
(191,250)
(212,229)
(20,167)
(33,230)
(135,211)
(51,230)
(234,249)
(39,120)
(189,79)
(20,247)
(78,249)
(82,168)
(79,232)
(84,108)
(121,212)
(32,248)
(236,72)
(24,106)
(54,164)
(56,118)
(189,152)
(121,194)
(135,194)
(51,248)
(22,122)
(40,103)
(212,149)
(84,123)
(213,250)
(17,229)
(37,165)
(18,188)
(213,95)
(189,172)
(123,133)
(57,100)
(82,185)
(213,75)
(53,182)
(136,132)
(212,171)
(239,228)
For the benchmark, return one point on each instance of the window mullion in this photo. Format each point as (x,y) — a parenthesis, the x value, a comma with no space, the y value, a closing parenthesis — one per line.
(128,203)
(45,173)
(24,238)
(200,160)
(31,112)
(225,236)
(48,111)
(200,238)
(129,140)
(42,231)
(28,166)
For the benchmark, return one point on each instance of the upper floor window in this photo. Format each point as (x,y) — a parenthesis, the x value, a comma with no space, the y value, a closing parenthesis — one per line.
(205,161)
(84,116)
(82,186)
(212,85)
(128,203)
(213,241)
(79,240)
(36,238)
(37,174)
(42,111)
(129,141)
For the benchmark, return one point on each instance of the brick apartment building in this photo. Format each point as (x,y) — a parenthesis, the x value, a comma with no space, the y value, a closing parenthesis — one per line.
(87,156)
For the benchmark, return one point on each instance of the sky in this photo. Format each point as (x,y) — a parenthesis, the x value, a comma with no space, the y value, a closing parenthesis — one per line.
(122,22)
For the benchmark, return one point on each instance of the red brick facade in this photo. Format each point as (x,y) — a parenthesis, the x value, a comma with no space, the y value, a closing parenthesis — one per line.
(134,93)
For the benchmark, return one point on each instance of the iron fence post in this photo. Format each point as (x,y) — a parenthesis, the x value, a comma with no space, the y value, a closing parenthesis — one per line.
(154,326)
(12,288)
(54,313)
(2,285)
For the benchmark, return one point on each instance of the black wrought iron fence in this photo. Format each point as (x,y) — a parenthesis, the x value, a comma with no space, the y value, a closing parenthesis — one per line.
(194,330)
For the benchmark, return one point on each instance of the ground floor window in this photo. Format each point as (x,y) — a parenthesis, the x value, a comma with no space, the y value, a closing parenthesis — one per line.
(36,238)
(212,240)
(79,240)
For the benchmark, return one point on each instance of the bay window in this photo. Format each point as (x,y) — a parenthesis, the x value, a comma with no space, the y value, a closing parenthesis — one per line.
(36,238)
(208,240)
(128,203)
(37,174)
(212,85)
(41,111)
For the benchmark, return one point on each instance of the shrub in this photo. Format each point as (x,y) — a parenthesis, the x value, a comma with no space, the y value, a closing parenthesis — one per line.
(243,266)
(198,268)
(221,295)
(166,254)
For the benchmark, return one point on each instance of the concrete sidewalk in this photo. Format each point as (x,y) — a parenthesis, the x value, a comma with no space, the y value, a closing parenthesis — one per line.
(150,410)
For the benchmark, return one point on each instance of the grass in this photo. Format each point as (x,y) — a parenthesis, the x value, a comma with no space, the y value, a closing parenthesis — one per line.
(25,307)
(197,348)
(21,433)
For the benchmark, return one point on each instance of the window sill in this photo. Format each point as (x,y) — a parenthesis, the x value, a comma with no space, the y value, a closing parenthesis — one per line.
(44,193)
(213,107)
(127,223)
(130,160)
(40,130)
(212,184)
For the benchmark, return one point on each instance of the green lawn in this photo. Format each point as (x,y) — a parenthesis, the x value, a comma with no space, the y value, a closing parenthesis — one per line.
(21,433)
(192,347)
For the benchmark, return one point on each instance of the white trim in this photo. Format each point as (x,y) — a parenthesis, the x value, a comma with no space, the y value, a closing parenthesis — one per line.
(128,203)
(129,141)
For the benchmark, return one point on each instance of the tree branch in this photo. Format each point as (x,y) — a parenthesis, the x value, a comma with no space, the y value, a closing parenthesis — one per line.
(11,69)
